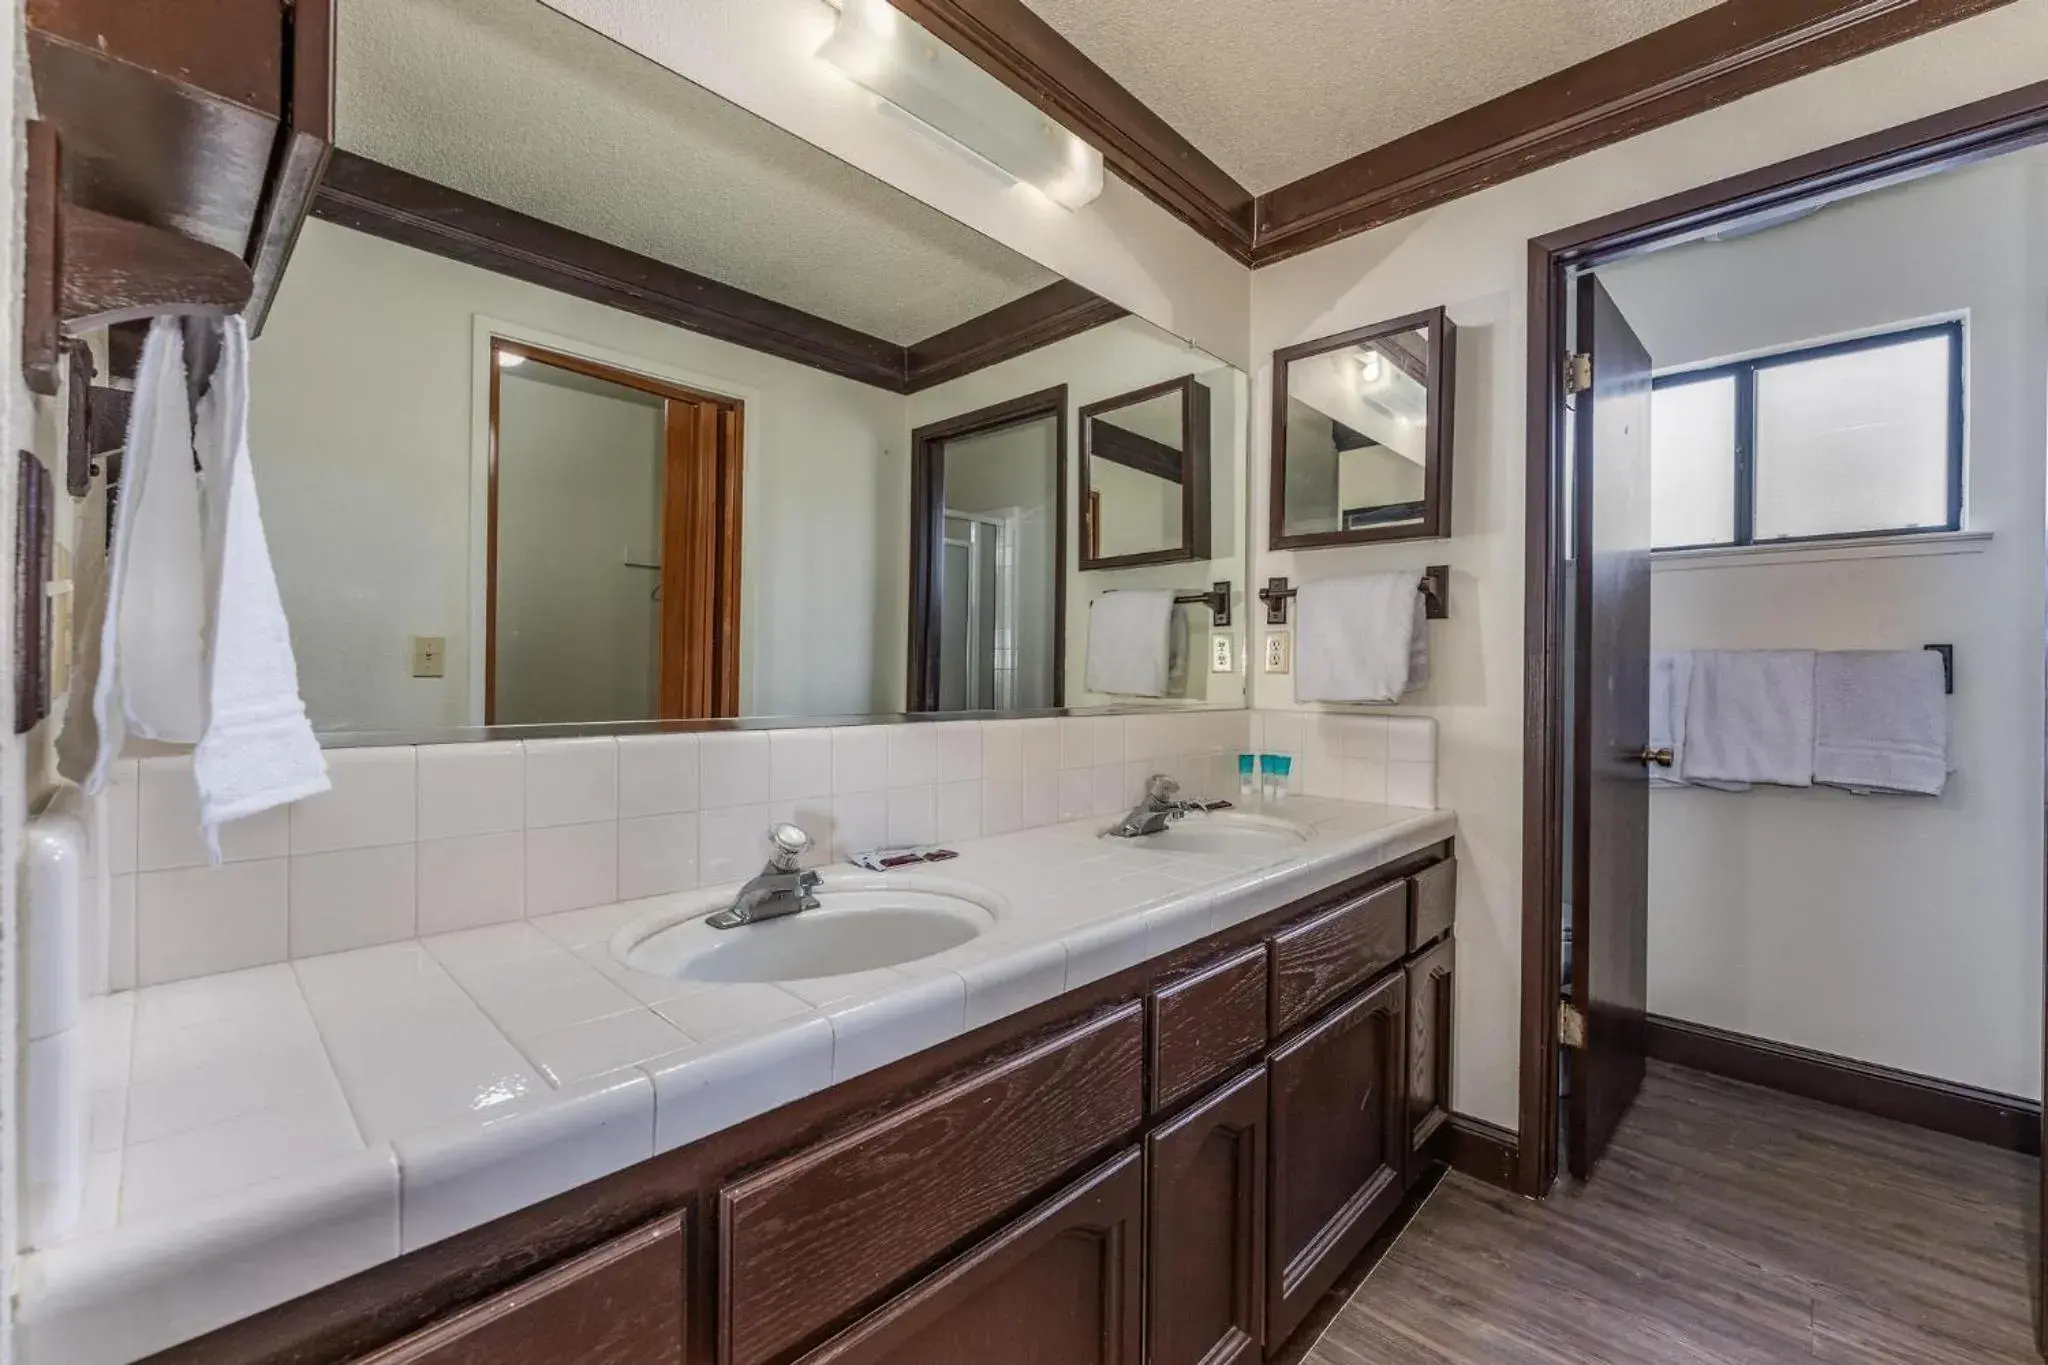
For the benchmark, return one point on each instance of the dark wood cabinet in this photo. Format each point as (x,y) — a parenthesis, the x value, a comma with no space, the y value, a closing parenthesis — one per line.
(1430,989)
(1060,1286)
(1205,1226)
(1338,1139)
(1207,1024)
(621,1304)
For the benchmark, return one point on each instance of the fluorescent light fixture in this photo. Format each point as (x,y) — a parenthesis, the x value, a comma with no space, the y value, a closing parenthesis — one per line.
(902,63)
(510,360)
(1372,367)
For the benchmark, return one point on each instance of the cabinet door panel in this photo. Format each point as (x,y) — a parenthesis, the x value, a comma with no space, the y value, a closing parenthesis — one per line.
(1060,1286)
(1430,979)
(1338,1135)
(621,1304)
(1205,1269)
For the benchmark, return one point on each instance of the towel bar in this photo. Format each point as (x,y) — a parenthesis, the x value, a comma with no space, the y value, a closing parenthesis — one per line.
(1948,666)
(1217,599)
(1435,587)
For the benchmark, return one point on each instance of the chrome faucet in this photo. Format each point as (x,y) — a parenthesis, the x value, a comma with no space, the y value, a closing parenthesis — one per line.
(1160,808)
(784,887)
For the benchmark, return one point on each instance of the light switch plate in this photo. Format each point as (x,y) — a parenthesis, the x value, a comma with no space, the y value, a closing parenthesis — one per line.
(1222,654)
(1280,651)
(430,656)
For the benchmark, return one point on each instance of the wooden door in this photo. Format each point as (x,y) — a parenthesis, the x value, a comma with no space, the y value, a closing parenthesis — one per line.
(1430,987)
(1205,1274)
(1610,793)
(1060,1286)
(1337,1131)
(699,664)
(621,1304)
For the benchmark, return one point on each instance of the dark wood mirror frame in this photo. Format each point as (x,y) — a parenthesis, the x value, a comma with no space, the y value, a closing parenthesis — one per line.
(1435,523)
(928,529)
(1190,469)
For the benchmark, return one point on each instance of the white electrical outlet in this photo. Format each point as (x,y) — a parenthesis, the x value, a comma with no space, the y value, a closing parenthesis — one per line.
(1222,656)
(1280,651)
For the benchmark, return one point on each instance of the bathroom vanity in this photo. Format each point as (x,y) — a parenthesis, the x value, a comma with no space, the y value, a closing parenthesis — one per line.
(1171,1163)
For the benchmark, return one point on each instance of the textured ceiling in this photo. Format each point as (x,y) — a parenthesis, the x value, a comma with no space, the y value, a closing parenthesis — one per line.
(1275,89)
(510,101)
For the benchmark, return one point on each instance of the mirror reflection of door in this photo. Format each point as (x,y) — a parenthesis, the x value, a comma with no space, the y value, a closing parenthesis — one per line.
(988,599)
(612,545)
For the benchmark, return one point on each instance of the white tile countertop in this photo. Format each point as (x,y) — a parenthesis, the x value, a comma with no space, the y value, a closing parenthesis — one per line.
(259,1134)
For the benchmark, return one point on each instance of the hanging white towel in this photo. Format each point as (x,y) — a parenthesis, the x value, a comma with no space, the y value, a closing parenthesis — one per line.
(258,750)
(1881,721)
(1130,643)
(1749,717)
(1361,639)
(148,675)
(1670,686)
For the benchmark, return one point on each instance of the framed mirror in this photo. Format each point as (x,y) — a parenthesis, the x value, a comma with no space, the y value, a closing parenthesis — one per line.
(1362,435)
(1145,477)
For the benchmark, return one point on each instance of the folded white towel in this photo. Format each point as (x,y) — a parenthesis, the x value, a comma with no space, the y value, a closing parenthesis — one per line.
(258,750)
(1361,638)
(1670,686)
(1749,717)
(1130,643)
(1880,721)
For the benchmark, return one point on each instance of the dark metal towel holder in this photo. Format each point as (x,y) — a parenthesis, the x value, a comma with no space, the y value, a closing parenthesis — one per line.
(1435,587)
(1217,599)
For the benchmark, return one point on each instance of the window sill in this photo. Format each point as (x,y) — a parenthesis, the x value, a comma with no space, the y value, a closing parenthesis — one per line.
(1820,551)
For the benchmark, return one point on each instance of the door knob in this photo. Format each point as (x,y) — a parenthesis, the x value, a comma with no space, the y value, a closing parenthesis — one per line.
(1663,758)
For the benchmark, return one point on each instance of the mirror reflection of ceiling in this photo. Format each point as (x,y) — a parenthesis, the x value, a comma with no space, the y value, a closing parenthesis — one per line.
(1308,83)
(514,103)
(1380,403)
(1156,419)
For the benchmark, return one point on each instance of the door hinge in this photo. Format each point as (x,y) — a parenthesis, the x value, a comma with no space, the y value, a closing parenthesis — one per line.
(1578,373)
(1571,1025)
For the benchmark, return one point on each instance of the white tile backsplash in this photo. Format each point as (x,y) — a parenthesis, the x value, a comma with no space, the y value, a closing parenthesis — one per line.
(452,837)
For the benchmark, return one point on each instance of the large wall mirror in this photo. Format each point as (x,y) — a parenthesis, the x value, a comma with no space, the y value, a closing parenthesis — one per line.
(589,398)
(1362,435)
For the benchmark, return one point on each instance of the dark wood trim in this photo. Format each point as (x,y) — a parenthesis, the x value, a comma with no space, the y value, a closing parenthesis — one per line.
(42,270)
(1060,310)
(1729,50)
(928,531)
(1485,1151)
(305,141)
(1963,1111)
(1188,467)
(1024,52)
(1956,137)
(1436,470)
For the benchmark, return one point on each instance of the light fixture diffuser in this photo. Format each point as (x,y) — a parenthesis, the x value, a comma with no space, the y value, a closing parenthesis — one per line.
(901,62)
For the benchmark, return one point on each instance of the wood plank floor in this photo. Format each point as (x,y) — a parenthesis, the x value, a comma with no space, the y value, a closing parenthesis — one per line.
(1728,1224)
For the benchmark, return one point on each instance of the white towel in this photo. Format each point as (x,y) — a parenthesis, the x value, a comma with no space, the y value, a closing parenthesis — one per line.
(1362,638)
(258,750)
(1670,686)
(1749,717)
(1880,721)
(1130,643)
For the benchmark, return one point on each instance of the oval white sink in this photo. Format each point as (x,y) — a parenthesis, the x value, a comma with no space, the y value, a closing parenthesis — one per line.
(859,925)
(1226,833)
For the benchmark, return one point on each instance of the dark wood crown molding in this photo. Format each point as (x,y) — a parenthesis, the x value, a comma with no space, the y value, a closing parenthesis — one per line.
(1054,313)
(1027,54)
(401,207)
(1734,49)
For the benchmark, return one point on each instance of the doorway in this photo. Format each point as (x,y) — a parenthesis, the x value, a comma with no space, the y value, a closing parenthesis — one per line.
(988,583)
(1585,1023)
(613,554)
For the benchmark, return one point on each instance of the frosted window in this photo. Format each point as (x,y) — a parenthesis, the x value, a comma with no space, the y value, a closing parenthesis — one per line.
(1852,442)
(1692,463)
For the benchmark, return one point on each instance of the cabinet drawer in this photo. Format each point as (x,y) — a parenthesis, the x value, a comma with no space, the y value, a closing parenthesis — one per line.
(1207,1024)
(1335,952)
(809,1240)
(621,1304)
(1433,904)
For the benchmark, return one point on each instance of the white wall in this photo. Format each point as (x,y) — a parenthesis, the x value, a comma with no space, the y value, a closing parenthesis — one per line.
(364,421)
(1472,256)
(761,55)
(580,475)
(1808,917)
(1126,355)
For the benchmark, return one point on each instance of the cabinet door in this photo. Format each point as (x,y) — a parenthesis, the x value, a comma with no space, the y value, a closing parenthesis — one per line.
(621,1304)
(1060,1286)
(1429,1049)
(1205,1272)
(1338,1132)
